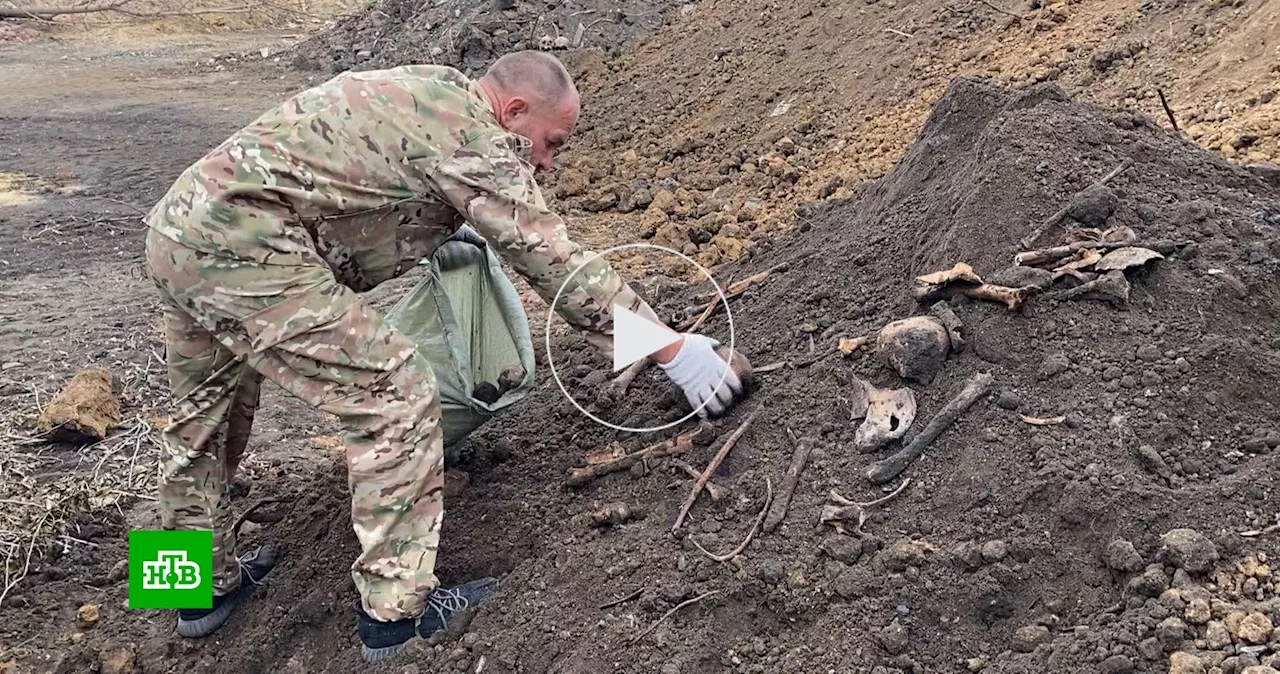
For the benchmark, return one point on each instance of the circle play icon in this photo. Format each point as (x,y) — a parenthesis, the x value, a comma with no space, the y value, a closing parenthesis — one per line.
(636,337)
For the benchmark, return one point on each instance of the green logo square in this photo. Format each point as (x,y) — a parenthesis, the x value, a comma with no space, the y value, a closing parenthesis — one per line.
(171,569)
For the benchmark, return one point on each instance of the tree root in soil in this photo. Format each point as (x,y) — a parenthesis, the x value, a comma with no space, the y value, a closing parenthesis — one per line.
(889,468)
(755,526)
(711,468)
(668,614)
(716,491)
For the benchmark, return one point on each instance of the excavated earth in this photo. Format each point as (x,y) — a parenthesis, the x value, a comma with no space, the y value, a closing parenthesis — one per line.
(1015,547)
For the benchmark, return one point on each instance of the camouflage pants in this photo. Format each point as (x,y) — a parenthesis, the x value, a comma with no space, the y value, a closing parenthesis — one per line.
(229,323)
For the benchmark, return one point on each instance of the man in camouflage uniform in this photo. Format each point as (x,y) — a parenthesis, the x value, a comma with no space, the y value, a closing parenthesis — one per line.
(259,250)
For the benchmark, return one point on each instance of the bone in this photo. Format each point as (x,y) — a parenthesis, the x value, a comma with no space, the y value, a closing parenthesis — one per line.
(845,509)
(943,312)
(886,414)
(778,510)
(1111,287)
(889,468)
(1010,297)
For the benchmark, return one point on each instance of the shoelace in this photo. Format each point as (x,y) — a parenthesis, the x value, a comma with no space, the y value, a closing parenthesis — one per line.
(447,600)
(245,571)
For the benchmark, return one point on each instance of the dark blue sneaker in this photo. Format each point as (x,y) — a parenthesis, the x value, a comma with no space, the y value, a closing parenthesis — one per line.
(254,567)
(383,639)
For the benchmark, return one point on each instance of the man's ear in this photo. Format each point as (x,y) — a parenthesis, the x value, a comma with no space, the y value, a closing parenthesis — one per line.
(516,107)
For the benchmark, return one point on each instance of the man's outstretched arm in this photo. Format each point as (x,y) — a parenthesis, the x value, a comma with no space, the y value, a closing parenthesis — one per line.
(495,191)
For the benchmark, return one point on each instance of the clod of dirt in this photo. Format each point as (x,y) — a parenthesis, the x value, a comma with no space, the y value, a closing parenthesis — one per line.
(1185,663)
(1268,172)
(1151,583)
(85,410)
(907,552)
(1171,631)
(1128,257)
(1019,276)
(87,615)
(1122,556)
(1008,400)
(116,661)
(1256,628)
(1153,462)
(1093,206)
(1188,549)
(1026,639)
(893,638)
(119,571)
(955,328)
(1116,664)
(842,548)
(915,347)
(994,551)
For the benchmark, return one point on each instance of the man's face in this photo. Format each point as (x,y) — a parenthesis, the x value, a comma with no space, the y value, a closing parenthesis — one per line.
(546,126)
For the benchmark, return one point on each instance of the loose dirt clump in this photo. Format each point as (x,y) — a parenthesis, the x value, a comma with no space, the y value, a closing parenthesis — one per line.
(1022,543)
(85,410)
(471,34)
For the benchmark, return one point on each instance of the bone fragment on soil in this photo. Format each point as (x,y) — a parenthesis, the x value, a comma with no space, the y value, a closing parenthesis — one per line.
(845,510)
(960,280)
(1111,287)
(86,409)
(1048,256)
(915,347)
(599,465)
(1010,297)
(848,345)
(889,468)
(1126,258)
(944,313)
(886,414)
(799,458)
(615,514)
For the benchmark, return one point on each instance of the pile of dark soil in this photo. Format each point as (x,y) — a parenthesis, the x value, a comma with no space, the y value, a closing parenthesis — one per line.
(1016,547)
(471,34)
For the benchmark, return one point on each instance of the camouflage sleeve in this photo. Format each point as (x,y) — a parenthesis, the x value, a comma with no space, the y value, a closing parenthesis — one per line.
(494,189)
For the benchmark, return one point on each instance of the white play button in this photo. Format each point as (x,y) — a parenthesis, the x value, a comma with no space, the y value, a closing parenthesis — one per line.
(635,337)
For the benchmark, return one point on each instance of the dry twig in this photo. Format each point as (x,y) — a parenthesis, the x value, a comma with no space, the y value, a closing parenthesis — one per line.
(711,468)
(616,602)
(717,492)
(672,612)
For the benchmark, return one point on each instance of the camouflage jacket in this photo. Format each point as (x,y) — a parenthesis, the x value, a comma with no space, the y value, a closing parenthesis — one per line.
(368,173)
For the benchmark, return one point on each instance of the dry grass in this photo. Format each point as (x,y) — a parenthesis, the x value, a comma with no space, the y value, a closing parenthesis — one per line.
(46,487)
(143,18)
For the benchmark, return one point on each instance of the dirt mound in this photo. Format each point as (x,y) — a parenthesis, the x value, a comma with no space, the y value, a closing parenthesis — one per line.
(1016,547)
(471,34)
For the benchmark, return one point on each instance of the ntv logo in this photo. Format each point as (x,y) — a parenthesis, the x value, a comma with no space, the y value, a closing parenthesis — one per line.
(170,571)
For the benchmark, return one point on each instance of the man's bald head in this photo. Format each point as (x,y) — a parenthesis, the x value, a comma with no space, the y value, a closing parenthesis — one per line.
(533,74)
(533,96)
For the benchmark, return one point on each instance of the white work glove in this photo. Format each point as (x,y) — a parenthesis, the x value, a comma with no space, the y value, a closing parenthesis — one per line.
(697,370)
